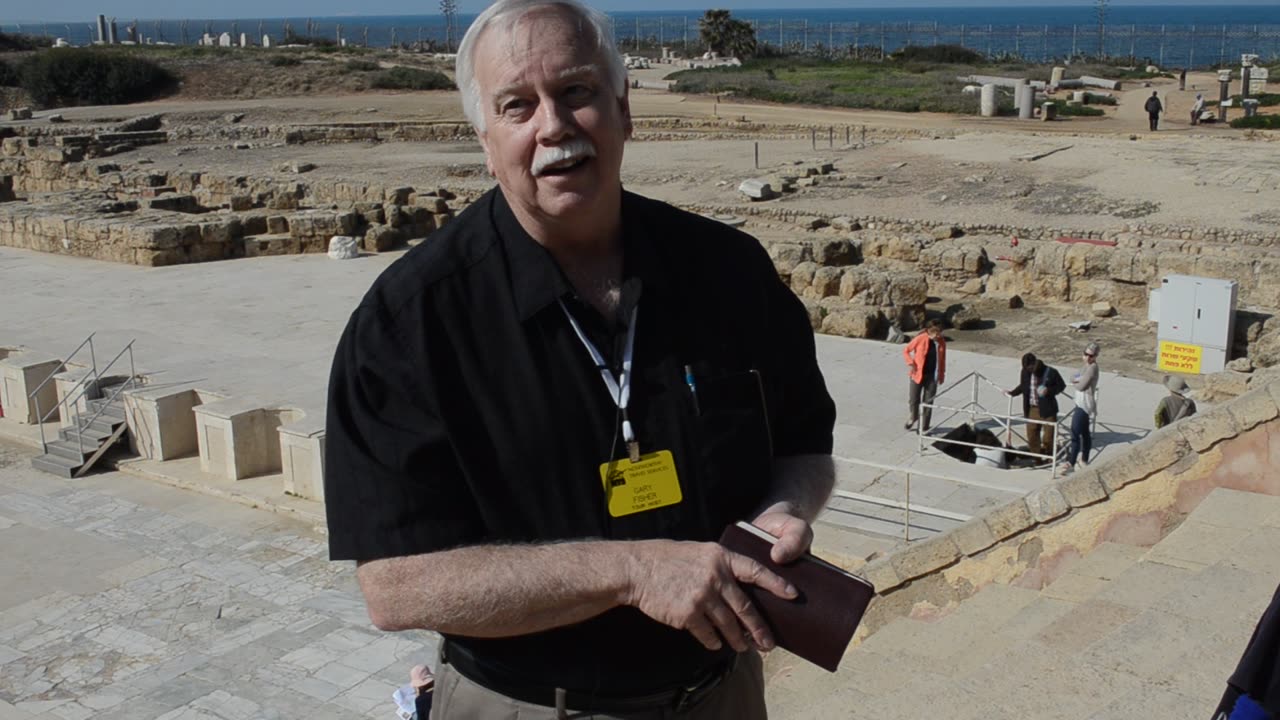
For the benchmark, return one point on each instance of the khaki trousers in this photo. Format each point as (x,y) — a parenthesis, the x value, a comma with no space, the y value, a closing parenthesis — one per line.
(1040,437)
(740,696)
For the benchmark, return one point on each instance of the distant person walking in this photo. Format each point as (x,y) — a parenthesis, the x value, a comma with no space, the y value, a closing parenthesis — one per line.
(1182,79)
(1176,405)
(1154,108)
(1197,108)
(1085,383)
(926,357)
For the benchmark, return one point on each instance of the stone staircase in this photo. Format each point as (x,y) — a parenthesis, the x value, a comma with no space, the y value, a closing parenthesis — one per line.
(77,448)
(1125,632)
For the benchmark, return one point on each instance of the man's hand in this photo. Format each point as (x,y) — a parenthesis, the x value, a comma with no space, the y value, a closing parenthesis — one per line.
(694,586)
(793,533)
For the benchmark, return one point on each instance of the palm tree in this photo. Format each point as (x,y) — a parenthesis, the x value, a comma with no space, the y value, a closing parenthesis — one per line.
(724,35)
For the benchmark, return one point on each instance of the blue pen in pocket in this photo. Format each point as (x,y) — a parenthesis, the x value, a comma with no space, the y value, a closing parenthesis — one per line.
(693,388)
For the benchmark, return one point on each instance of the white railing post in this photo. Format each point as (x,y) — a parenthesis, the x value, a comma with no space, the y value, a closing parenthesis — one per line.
(906,530)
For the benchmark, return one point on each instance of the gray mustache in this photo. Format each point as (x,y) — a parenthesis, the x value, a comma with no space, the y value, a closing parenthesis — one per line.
(571,150)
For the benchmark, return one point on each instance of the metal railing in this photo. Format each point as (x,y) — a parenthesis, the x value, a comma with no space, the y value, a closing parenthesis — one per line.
(1006,421)
(34,395)
(87,383)
(905,504)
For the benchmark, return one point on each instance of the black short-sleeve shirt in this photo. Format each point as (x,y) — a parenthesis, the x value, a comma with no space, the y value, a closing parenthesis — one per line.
(463,409)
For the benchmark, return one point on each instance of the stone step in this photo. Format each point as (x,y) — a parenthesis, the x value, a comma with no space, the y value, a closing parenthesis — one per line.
(71,450)
(60,466)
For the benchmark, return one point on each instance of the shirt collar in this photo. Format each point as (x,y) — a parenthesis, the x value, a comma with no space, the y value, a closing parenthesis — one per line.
(537,280)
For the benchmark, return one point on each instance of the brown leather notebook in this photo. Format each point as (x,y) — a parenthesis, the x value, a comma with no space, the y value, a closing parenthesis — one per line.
(820,622)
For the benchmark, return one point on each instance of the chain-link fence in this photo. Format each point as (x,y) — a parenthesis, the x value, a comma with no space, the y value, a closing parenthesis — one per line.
(1165,45)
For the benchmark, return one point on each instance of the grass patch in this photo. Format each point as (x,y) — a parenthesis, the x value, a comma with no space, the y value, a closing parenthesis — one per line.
(283,61)
(78,76)
(18,42)
(360,66)
(1096,99)
(938,54)
(9,76)
(1257,122)
(906,87)
(1065,110)
(407,78)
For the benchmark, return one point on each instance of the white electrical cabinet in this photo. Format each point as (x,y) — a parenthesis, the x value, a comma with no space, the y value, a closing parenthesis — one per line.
(1197,317)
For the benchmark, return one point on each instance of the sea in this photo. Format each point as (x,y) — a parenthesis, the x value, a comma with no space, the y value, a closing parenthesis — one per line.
(1172,35)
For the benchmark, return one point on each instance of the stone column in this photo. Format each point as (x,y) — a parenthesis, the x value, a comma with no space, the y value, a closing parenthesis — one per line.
(1224,92)
(1027,109)
(112,34)
(1049,111)
(1245,73)
(1055,79)
(102,29)
(988,103)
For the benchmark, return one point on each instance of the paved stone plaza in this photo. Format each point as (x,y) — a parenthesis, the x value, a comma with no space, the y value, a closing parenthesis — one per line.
(125,600)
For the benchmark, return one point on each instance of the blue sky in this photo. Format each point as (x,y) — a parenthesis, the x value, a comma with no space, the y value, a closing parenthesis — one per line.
(85,10)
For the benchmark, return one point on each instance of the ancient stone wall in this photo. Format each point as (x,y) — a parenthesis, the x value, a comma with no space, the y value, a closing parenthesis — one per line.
(93,208)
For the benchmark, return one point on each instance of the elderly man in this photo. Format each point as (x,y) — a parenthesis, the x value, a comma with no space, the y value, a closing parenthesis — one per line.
(540,421)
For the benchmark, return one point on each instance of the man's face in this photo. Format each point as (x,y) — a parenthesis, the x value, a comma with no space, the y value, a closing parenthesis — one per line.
(554,131)
(933,333)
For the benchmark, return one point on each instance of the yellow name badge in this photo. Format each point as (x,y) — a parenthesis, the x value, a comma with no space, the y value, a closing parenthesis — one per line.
(630,488)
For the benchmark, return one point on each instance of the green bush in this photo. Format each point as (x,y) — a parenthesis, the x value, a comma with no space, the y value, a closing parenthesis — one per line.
(12,42)
(8,75)
(76,76)
(360,66)
(283,61)
(1257,122)
(1096,99)
(944,54)
(407,78)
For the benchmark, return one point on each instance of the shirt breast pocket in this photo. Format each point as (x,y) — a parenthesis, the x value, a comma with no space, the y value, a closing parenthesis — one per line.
(735,446)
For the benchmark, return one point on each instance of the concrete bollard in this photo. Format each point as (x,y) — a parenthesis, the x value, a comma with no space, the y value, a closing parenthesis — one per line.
(1049,112)
(1027,108)
(988,101)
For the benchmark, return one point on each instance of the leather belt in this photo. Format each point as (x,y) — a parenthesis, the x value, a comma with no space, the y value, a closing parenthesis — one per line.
(678,699)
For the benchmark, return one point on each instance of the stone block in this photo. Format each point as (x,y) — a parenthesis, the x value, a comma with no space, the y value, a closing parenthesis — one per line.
(846,224)
(271,244)
(963,317)
(238,438)
(858,322)
(973,537)
(1047,503)
(241,203)
(1082,488)
(1103,309)
(21,372)
(757,189)
(1159,450)
(833,252)
(946,232)
(926,556)
(802,277)
(381,238)
(302,458)
(433,205)
(342,247)
(397,196)
(277,224)
(1253,408)
(162,421)
(1009,519)
(881,574)
(786,256)
(826,282)
(1206,429)
(908,289)
(22,113)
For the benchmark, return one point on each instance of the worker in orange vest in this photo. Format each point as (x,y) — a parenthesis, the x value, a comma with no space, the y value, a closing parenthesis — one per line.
(926,357)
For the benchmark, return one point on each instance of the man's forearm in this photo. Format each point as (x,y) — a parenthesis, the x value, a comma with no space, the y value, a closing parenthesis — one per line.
(802,485)
(496,590)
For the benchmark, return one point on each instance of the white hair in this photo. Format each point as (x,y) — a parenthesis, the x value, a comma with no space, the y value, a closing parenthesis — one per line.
(508,12)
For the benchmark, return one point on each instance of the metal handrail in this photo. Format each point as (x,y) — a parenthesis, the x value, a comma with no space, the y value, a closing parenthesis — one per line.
(34,396)
(88,341)
(123,386)
(906,506)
